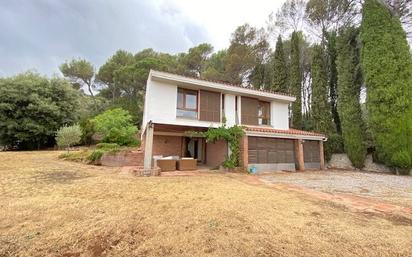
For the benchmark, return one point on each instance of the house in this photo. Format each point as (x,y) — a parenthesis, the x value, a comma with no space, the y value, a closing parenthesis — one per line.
(176,104)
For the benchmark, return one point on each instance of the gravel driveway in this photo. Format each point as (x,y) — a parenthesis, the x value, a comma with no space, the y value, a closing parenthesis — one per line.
(386,187)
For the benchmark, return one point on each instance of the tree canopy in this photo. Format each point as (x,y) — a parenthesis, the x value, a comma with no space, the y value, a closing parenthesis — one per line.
(387,67)
(33,108)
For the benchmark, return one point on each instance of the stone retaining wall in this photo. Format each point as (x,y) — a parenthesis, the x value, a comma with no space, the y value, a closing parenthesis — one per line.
(341,161)
(123,158)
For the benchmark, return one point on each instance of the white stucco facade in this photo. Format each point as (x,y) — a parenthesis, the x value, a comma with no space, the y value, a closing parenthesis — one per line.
(279,115)
(160,106)
(161,102)
(230,111)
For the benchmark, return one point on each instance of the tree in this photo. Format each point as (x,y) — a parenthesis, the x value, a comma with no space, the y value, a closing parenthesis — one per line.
(68,136)
(81,73)
(330,15)
(333,77)
(290,17)
(106,72)
(349,87)
(215,66)
(194,62)
(321,112)
(387,69)
(280,76)
(116,126)
(32,108)
(125,78)
(296,81)
(248,48)
(402,9)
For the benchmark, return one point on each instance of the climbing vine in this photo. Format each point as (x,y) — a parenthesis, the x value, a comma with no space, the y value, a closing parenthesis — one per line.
(231,135)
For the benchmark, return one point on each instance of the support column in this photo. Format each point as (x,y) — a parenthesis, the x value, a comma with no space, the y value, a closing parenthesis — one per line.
(244,151)
(148,146)
(321,155)
(299,154)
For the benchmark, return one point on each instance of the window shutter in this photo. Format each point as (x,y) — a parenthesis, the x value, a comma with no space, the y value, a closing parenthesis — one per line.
(249,111)
(209,109)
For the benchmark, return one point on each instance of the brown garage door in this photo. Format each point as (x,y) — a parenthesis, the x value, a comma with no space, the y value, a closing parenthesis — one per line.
(270,150)
(311,151)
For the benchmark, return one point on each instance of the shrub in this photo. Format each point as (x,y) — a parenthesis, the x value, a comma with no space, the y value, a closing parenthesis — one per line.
(333,145)
(96,155)
(116,126)
(88,131)
(79,156)
(107,146)
(402,159)
(68,136)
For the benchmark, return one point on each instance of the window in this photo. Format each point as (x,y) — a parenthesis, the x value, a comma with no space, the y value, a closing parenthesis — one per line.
(264,113)
(186,103)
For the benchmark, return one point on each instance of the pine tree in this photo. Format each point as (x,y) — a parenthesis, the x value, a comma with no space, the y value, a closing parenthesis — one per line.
(387,69)
(348,102)
(321,111)
(280,77)
(296,81)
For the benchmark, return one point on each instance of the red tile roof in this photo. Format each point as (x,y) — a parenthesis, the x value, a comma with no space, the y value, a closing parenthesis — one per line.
(281,131)
(228,84)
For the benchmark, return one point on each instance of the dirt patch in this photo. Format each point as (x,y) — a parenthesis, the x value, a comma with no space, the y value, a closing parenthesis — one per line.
(59,176)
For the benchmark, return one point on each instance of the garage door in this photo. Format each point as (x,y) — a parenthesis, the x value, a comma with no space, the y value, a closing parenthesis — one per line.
(311,154)
(263,150)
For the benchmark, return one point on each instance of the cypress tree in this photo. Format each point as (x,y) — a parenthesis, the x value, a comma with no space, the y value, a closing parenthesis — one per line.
(348,102)
(280,77)
(296,81)
(333,77)
(321,111)
(387,68)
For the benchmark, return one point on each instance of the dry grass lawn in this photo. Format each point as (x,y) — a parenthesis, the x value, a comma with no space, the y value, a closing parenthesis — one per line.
(50,207)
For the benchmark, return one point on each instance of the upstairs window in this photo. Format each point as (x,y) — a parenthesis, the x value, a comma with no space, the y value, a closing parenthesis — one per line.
(187,103)
(264,113)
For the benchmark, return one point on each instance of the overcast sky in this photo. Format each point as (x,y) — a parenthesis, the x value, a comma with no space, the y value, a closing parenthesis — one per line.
(41,34)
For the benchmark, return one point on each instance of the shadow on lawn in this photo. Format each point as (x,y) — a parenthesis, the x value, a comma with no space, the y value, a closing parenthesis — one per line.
(60,176)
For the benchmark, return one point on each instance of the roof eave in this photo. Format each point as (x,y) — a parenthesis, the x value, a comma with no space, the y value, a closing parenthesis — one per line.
(219,86)
(285,135)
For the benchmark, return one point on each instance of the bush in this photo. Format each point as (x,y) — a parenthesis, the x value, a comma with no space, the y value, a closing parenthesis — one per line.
(79,156)
(402,159)
(68,136)
(107,146)
(88,131)
(333,145)
(88,156)
(116,126)
(96,155)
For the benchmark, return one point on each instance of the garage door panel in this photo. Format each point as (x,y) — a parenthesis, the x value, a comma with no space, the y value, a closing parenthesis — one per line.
(262,156)
(272,157)
(252,156)
(311,151)
(271,150)
(290,157)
